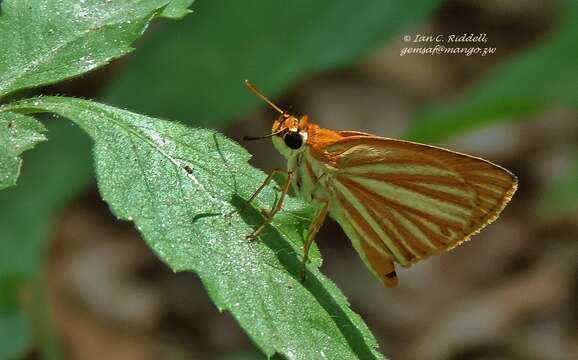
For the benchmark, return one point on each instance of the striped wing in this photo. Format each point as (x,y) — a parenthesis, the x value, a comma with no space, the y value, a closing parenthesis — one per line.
(403,201)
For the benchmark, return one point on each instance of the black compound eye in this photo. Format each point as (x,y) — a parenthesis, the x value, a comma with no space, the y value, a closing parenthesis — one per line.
(293,140)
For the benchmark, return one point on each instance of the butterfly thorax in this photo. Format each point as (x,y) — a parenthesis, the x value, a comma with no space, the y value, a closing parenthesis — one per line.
(310,176)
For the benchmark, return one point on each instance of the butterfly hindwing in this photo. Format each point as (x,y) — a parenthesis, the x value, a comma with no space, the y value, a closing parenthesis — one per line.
(406,201)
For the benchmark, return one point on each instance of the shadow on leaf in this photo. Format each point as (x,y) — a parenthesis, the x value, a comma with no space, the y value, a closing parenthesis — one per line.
(291,263)
(204,215)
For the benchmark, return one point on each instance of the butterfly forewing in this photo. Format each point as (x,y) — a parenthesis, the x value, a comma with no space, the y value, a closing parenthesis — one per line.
(406,201)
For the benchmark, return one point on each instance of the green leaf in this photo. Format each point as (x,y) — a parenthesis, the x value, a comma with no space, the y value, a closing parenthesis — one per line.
(194,70)
(543,77)
(177,9)
(45,41)
(184,190)
(18,133)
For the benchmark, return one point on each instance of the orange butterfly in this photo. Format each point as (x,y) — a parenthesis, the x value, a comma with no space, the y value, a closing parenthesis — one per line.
(397,201)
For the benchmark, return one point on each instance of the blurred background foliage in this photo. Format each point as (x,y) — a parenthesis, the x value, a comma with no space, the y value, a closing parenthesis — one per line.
(272,43)
(510,293)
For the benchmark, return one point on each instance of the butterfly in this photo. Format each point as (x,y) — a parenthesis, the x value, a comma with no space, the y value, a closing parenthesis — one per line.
(397,201)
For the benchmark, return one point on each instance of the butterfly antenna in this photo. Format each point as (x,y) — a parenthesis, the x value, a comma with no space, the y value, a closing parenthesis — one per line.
(248,138)
(258,93)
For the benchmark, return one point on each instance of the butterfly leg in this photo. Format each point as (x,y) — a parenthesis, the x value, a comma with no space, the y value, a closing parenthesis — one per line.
(277,206)
(264,212)
(266,182)
(318,220)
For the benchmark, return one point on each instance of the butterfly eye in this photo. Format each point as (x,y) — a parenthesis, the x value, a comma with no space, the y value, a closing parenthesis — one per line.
(293,140)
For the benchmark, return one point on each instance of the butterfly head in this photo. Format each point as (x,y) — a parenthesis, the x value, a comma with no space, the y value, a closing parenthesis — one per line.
(289,133)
